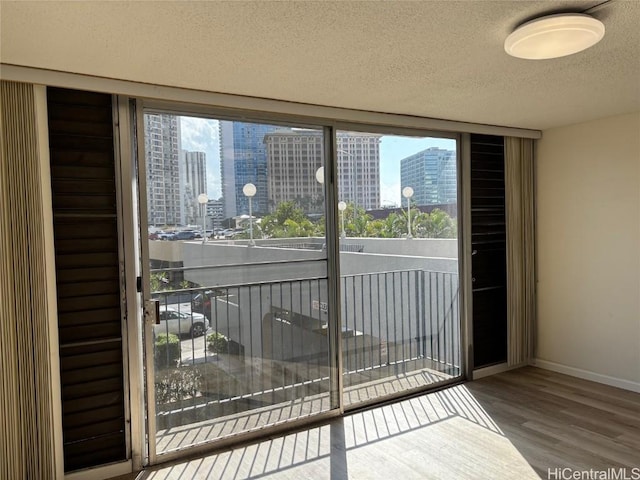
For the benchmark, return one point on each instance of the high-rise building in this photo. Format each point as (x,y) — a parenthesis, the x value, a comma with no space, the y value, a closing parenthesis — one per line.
(215,214)
(243,160)
(294,156)
(193,182)
(432,175)
(165,205)
(359,169)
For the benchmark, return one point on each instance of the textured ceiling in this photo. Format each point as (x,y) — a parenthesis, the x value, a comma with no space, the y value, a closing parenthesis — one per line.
(439,59)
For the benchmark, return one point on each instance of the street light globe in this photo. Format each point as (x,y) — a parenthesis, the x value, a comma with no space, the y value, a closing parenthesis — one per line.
(320,175)
(202,198)
(407,192)
(342,206)
(249,189)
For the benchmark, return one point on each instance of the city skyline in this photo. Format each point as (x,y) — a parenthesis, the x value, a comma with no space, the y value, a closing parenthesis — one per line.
(203,135)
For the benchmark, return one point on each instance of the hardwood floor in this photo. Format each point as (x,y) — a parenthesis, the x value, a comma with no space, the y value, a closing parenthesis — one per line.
(557,420)
(514,425)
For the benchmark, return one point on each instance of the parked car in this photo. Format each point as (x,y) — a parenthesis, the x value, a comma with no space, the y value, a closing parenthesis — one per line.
(227,233)
(181,323)
(170,299)
(185,235)
(202,301)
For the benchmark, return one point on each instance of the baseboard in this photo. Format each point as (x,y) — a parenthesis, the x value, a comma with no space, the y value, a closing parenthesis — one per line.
(587,375)
(103,472)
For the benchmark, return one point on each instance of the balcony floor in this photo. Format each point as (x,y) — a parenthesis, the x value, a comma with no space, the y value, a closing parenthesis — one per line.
(512,425)
(194,433)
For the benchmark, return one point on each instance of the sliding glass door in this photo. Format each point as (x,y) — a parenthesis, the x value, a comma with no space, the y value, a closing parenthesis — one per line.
(398,263)
(237,275)
(291,270)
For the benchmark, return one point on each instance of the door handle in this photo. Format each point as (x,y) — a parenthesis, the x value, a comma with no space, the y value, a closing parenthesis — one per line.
(152,312)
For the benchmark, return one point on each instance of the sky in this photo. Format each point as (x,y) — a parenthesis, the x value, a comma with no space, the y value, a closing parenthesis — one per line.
(392,150)
(202,135)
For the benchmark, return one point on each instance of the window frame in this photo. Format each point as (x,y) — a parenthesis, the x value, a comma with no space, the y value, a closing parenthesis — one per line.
(329,128)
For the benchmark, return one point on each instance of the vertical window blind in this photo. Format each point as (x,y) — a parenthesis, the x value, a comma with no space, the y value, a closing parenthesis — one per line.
(27,448)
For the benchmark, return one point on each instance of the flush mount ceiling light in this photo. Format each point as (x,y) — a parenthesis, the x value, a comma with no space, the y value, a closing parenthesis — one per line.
(554,36)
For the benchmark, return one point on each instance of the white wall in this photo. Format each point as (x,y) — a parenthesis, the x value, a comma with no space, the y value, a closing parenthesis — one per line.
(588,240)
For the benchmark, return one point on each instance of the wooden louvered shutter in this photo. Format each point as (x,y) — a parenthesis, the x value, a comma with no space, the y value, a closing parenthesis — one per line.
(83,178)
(488,240)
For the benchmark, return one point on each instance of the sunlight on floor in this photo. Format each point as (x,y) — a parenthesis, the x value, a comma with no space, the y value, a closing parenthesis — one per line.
(445,434)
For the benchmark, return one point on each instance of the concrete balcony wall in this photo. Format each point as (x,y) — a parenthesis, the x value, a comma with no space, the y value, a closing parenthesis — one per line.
(378,255)
(166,251)
(417,247)
(372,300)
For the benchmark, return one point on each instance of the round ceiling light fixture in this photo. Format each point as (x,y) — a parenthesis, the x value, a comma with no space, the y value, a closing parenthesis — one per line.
(554,36)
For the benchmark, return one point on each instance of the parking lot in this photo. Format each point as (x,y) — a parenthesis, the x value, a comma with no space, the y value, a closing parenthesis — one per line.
(192,350)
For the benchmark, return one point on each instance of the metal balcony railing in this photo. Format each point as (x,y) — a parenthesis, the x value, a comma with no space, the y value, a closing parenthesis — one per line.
(267,342)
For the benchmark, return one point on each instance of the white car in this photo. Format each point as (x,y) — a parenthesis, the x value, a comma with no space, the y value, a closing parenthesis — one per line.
(181,323)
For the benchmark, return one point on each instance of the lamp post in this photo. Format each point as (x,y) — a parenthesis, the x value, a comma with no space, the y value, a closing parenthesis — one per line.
(320,180)
(407,192)
(202,200)
(342,206)
(249,191)
(320,175)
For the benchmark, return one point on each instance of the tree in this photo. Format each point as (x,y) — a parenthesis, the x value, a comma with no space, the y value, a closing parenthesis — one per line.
(303,228)
(310,203)
(290,221)
(287,221)
(393,226)
(437,224)
(356,221)
(257,232)
(159,281)
(319,227)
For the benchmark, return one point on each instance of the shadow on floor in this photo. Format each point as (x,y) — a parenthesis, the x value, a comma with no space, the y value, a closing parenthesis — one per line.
(514,425)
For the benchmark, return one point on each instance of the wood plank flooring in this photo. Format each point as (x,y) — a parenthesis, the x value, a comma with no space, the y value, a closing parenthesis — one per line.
(514,425)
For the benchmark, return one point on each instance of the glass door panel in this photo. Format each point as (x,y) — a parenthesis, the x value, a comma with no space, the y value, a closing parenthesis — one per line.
(238,266)
(398,263)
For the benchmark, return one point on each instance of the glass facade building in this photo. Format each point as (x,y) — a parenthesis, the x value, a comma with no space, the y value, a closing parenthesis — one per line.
(243,159)
(432,175)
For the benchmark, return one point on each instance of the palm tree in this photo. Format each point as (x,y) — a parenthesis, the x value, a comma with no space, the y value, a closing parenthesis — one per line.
(437,224)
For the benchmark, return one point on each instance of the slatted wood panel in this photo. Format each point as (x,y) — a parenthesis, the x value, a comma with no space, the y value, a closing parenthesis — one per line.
(89,309)
(488,240)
